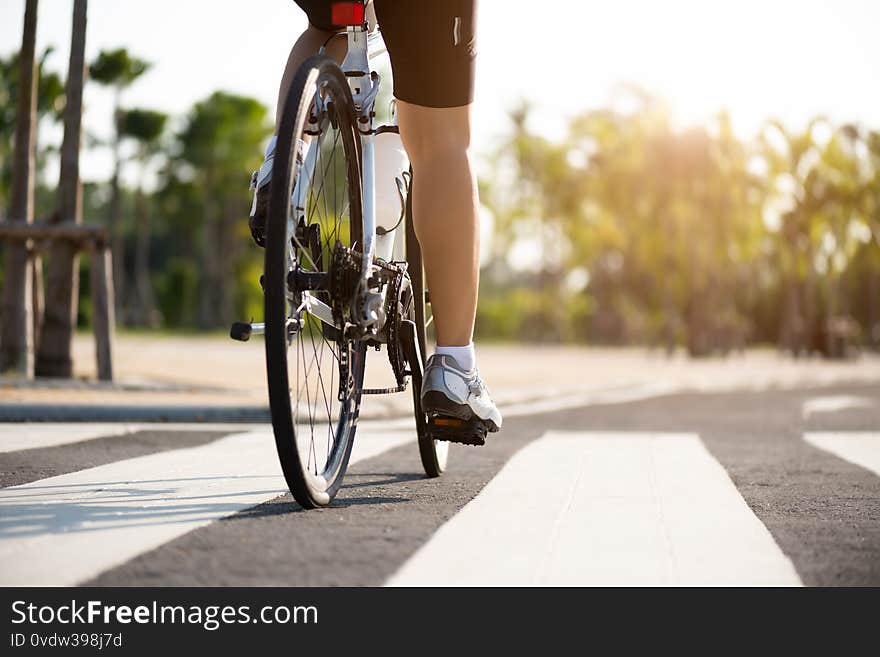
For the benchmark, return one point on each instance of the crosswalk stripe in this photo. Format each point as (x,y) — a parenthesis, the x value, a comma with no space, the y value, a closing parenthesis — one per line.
(833,404)
(15,437)
(602,508)
(859,447)
(66,529)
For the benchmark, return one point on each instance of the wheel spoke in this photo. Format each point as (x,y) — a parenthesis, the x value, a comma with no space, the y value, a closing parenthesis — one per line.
(318,358)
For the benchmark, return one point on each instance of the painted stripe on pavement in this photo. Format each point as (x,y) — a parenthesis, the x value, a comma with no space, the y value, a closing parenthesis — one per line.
(859,447)
(15,437)
(590,508)
(30,465)
(833,404)
(66,529)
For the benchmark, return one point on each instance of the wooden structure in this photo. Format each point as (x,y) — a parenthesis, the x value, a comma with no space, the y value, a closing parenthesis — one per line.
(37,238)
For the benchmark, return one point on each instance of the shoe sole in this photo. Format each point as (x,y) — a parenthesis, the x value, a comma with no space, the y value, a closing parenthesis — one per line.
(453,430)
(454,422)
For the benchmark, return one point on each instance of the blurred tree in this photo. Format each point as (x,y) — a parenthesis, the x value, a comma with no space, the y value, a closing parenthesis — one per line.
(62,290)
(216,148)
(794,197)
(685,236)
(179,216)
(146,128)
(117,69)
(538,196)
(17,329)
(871,213)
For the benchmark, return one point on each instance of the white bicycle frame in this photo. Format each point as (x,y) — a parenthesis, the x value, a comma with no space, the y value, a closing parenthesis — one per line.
(364,85)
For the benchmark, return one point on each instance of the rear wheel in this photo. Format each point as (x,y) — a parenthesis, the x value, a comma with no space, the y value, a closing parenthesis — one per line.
(434,453)
(315,374)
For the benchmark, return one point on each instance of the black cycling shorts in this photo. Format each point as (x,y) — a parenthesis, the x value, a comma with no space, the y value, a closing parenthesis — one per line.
(431,43)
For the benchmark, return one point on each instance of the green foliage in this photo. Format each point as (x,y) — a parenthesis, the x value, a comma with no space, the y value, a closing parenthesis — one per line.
(222,127)
(177,291)
(146,126)
(117,68)
(203,206)
(690,236)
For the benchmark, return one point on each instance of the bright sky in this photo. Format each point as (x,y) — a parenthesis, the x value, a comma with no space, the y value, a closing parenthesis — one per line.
(786,58)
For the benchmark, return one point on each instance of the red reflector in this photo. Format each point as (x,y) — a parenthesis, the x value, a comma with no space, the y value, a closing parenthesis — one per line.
(347,13)
(449,422)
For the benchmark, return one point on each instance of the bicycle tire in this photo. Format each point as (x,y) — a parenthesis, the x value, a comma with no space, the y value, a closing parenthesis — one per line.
(312,486)
(434,454)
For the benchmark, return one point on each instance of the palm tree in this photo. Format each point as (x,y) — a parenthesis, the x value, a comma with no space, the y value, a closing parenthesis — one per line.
(49,89)
(50,103)
(791,156)
(117,69)
(146,127)
(53,358)
(16,334)
(50,100)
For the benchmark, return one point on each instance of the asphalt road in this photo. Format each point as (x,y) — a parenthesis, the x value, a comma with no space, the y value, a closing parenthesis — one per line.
(777,487)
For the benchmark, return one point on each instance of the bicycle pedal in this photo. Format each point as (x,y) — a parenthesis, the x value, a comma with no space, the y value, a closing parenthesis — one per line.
(455,430)
(240,331)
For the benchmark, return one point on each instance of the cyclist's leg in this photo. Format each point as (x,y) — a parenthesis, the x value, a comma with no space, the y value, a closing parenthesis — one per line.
(432,46)
(446,221)
(445,214)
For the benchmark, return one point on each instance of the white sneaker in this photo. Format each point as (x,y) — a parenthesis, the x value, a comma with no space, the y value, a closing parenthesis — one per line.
(449,391)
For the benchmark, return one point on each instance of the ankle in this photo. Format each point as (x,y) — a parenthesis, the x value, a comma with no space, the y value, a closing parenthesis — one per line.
(464,355)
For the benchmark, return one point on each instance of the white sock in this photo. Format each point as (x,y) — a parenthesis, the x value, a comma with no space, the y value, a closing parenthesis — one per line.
(463,355)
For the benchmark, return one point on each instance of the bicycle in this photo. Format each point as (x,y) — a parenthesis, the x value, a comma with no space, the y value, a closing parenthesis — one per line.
(327,290)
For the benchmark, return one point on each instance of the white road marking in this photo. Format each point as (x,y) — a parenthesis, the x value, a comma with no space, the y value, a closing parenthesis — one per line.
(33,435)
(859,447)
(587,508)
(15,437)
(64,530)
(833,403)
